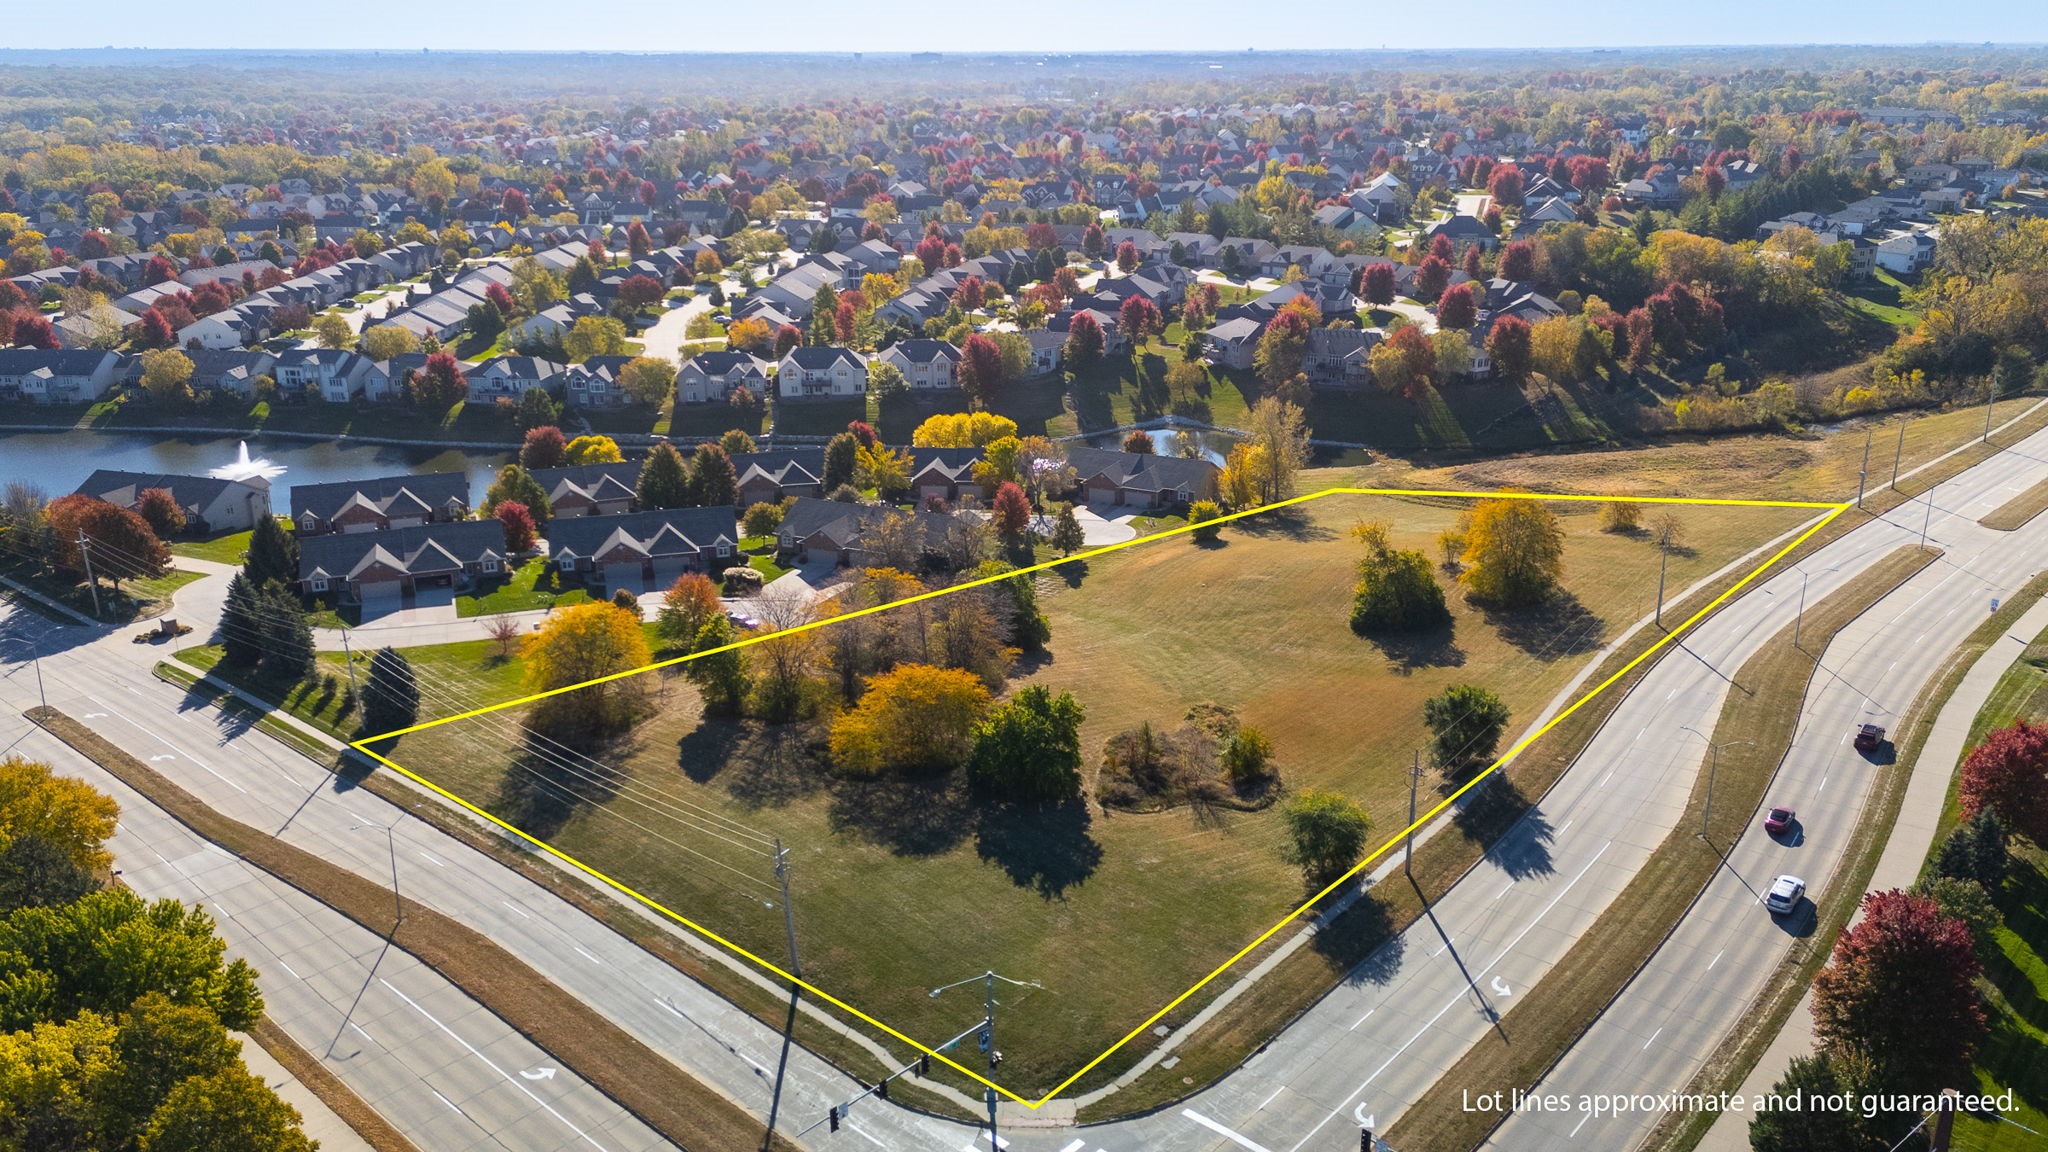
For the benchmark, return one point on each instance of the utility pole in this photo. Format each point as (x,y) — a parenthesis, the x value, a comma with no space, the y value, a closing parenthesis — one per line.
(349,658)
(1897,452)
(1863,474)
(796,971)
(1990,399)
(1663,560)
(1414,780)
(1713,766)
(1927,521)
(1799,620)
(85,554)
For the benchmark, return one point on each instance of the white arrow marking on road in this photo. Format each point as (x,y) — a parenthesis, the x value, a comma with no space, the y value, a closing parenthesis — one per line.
(1365,1119)
(540,1074)
(95,715)
(1500,987)
(165,756)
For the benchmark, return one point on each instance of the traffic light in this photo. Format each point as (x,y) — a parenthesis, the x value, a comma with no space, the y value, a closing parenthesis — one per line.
(924,1065)
(1365,1140)
(882,1089)
(832,1118)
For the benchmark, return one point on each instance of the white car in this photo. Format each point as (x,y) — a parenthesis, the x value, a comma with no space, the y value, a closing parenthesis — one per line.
(1785,894)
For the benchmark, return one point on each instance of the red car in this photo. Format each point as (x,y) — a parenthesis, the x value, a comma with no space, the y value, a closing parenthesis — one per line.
(1869,738)
(1779,821)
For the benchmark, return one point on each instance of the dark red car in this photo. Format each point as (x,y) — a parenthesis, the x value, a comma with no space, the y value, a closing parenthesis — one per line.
(1779,821)
(1869,738)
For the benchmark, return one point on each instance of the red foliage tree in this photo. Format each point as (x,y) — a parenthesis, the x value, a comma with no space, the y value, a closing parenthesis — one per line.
(1898,992)
(1431,278)
(931,252)
(845,319)
(1137,319)
(1139,442)
(157,270)
(120,542)
(1126,257)
(545,447)
(1379,283)
(862,432)
(11,297)
(1039,237)
(93,246)
(1518,261)
(972,293)
(1505,185)
(501,296)
(517,521)
(1508,345)
(787,337)
(1010,512)
(1443,248)
(638,241)
(981,366)
(440,384)
(155,331)
(1092,240)
(639,292)
(32,330)
(1475,266)
(1084,340)
(1455,308)
(514,204)
(1642,340)
(2008,773)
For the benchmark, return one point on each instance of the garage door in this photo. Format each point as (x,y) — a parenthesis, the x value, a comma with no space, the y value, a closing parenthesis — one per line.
(380,597)
(666,571)
(627,576)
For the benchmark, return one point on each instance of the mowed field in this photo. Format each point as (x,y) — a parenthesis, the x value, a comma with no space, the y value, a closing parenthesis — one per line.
(904,886)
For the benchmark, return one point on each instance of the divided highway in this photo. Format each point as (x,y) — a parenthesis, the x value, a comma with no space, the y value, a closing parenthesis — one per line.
(1365,1051)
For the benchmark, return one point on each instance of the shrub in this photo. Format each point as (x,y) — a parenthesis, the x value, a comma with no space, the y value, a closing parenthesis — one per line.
(1621,516)
(1203,514)
(1326,834)
(1247,756)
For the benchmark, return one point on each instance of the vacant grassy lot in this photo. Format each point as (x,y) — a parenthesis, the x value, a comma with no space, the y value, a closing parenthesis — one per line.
(904,886)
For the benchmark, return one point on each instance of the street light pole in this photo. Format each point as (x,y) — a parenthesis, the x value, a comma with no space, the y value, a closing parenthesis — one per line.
(1898,451)
(1863,474)
(35,656)
(1713,766)
(1990,399)
(391,842)
(1927,521)
(988,1035)
(1414,780)
(1663,560)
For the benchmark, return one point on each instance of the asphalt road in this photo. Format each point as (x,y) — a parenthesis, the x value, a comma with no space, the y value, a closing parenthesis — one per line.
(1365,1051)
(1657,1035)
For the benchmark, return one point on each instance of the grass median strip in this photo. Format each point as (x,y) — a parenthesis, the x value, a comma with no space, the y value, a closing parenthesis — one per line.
(1600,965)
(638,1078)
(2014,513)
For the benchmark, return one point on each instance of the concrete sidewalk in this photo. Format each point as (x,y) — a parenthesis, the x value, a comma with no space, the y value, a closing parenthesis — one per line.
(1899,866)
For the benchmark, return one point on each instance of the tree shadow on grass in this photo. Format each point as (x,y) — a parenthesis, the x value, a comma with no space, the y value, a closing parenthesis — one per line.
(768,766)
(1362,941)
(1044,847)
(550,780)
(1284,523)
(1516,836)
(1408,651)
(919,817)
(1072,571)
(1556,627)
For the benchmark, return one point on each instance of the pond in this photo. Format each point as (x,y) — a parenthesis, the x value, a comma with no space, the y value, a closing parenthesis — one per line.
(1166,442)
(59,461)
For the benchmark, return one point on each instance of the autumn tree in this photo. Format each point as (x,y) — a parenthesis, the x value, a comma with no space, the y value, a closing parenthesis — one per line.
(686,607)
(1432,276)
(649,380)
(514,484)
(593,450)
(1507,344)
(517,521)
(1518,261)
(1455,308)
(225,1109)
(67,815)
(1282,348)
(118,542)
(544,447)
(1405,362)
(1326,834)
(1396,591)
(2008,774)
(1465,722)
(1279,430)
(1378,283)
(914,718)
(439,384)
(160,510)
(381,342)
(1514,552)
(1028,748)
(981,367)
(1126,257)
(594,336)
(1899,995)
(575,645)
(332,330)
(167,376)
(1084,342)
(1010,512)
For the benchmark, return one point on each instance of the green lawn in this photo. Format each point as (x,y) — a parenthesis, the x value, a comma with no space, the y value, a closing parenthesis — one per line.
(765,564)
(888,871)
(134,600)
(2015,1056)
(227,549)
(526,590)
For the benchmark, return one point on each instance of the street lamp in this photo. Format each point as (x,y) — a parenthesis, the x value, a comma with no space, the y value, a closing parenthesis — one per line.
(35,656)
(391,841)
(988,1035)
(1799,621)
(1713,765)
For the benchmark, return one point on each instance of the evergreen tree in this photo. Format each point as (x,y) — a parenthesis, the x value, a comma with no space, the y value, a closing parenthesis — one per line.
(840,455)
(537,409)
(287,638)
(712,481)
(241,626)
(391,699)
(664,479)
(1067,535)
(273,554)
(1975,850)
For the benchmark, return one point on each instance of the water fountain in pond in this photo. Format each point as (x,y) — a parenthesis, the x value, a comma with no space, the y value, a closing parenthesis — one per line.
(247,469)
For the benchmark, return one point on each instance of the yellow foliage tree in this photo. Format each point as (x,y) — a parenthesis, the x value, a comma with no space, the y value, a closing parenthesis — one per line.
(578,644)
(593,450)
(962,430)
(1514,551)
(916,718)
(69,814)
(1247,472)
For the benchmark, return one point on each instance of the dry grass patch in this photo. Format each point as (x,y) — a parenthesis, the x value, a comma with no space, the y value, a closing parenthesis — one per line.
(2015,512)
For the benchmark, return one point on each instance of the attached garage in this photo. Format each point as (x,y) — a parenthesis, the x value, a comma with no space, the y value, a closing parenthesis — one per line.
(667,570)
(380,596)
(627,576)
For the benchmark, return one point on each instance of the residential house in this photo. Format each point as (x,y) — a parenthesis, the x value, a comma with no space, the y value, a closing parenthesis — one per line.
(1906,255)
(210,504)
(57,375)
(1336,357)
(770,477)
(380,504)
(816,373)
(660,545)
(711,376)
(508,377)
(1231,343)
(929,365)
(942,473)
(840,530)
(1141,479)
(378,570)
(589,489)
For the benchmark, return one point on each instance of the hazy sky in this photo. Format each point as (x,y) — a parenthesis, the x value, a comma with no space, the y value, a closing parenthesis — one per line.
(1043,25)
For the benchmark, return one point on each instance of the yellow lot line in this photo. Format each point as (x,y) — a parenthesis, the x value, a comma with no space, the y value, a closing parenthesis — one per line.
(1833,510)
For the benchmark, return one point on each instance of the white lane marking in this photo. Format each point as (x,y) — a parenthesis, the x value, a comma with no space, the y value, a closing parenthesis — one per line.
(360,1032)
(1261,1108)
(1605,779)
(1454,1000)
(1504,889)
(587,956)
(507,1077)
(864,1133)
(1353,1028)
(1220,1130)
(288,968)
(431,860)
(445,1100)
(1579,1125)
(1001,1141)
(1715,960)
(515,908)
(166,743)
(1566,824)
(1448,941)
(1652,1039)
(1076,1146)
